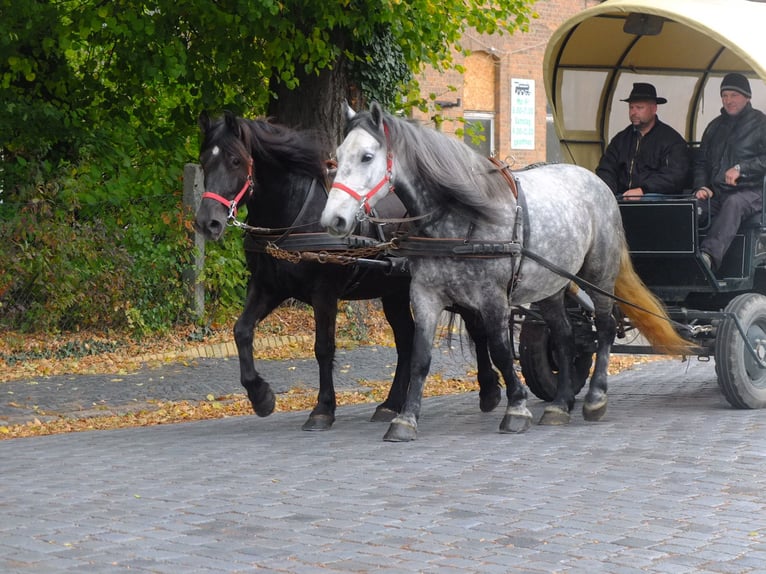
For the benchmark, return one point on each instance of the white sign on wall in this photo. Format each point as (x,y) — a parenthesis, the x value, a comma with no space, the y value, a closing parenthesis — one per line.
(522,114)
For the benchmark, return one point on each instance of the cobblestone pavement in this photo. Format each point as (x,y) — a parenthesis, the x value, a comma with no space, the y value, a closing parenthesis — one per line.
(671,481)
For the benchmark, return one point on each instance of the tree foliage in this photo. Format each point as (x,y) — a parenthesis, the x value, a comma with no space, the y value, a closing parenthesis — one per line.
(99,100)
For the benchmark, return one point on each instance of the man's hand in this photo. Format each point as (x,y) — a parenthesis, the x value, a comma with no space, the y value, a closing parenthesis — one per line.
(732,175)
(703,193)
(633,193)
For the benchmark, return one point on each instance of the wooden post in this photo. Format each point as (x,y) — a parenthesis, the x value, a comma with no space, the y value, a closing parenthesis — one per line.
(193,187)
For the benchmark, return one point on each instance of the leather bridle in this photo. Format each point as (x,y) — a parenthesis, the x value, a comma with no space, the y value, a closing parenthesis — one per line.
(247,189)
(364,200)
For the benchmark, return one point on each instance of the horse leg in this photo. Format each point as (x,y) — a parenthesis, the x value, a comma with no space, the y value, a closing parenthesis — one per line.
(594,407)
(397,311)
(554,313)
(325,313)
(517,418)
(405,426)
(257,306)
(489,381)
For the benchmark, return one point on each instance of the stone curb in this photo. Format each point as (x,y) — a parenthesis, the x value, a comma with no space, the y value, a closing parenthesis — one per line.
(228,349)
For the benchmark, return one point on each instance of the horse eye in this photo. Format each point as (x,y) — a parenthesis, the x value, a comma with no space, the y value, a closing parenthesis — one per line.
(367,157)
(235,161)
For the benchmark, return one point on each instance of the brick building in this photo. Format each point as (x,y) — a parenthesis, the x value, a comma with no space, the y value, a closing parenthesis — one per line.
(502,87)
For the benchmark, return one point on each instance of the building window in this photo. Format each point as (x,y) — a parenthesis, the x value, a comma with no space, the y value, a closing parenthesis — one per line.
(479,132)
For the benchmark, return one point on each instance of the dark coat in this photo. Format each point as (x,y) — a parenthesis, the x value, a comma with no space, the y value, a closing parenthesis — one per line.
(657,162)
(728,141)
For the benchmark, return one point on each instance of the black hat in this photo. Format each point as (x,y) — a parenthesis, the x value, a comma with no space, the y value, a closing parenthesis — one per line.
(737,83)
(644,91)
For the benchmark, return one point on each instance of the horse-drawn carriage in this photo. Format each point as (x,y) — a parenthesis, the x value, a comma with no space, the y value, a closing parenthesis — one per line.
(473,230)
(684,48)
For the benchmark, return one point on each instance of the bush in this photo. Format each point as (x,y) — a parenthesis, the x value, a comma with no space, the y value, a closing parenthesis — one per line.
(86,250)
(225,278)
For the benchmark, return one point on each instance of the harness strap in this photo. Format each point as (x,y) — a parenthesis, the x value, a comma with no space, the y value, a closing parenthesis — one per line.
(507,174)
(436,247)
(304,207)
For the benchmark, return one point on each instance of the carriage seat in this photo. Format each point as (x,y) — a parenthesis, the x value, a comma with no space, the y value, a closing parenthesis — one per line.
(755,221)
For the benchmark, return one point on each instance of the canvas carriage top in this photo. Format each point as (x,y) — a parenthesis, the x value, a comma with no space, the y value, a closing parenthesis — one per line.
(683,47)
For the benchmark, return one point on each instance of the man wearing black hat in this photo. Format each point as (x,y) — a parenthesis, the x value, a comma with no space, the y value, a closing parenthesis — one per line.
(730,167)
(648,156)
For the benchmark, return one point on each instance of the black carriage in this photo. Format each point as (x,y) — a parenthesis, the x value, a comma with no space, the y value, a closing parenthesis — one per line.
(684,48)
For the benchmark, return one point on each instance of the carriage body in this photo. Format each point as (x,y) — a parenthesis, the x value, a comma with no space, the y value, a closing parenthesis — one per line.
(684,48)
(664,237)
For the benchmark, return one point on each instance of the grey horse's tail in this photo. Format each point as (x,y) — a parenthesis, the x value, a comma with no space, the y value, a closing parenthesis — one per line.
(648,315)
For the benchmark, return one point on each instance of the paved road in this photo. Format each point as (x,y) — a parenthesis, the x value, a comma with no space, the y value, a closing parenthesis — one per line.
(672,481)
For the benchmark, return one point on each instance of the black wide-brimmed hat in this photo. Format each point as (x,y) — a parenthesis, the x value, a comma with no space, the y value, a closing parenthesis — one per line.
(642,91)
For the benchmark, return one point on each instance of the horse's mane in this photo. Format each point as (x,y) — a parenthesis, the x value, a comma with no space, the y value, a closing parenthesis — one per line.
(464,180)
(271,145)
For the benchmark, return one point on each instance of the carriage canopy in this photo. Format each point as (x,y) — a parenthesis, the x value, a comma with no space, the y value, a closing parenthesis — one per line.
(683,47)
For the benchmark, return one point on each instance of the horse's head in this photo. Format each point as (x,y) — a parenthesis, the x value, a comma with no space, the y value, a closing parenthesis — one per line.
(365,164)
(227,165)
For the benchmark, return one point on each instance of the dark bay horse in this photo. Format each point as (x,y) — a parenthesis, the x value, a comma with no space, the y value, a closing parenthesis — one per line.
(279,174)
(566,216)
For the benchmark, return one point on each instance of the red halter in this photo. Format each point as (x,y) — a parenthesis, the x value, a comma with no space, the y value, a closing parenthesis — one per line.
(364,200)
(232,204)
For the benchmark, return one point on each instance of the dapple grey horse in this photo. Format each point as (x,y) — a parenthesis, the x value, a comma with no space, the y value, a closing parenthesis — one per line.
(568,220)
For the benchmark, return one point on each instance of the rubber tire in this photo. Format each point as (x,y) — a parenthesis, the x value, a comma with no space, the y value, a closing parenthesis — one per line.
(539,366)
(740,379)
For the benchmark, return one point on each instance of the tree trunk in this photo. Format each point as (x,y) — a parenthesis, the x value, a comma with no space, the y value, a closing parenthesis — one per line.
(315,105)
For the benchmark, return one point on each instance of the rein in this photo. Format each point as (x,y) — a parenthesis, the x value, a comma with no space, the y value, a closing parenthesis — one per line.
(247,188)
(552,267)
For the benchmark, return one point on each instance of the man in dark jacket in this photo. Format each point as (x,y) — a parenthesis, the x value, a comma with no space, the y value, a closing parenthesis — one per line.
(648,156)
(730,167)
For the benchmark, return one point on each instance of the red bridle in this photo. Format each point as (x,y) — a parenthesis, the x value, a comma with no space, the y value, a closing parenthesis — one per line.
(232,204)
(364,200)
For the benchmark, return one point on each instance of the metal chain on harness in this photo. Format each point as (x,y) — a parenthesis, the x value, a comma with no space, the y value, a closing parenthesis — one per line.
(339,257)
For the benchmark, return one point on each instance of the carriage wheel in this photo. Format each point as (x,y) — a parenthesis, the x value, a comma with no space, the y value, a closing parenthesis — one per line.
(741,379)
(538,364)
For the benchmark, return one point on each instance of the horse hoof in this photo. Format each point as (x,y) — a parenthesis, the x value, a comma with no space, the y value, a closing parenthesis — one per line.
(488,404)
(593,412)
(266,406)
(516,420)
(318,422)
(383,415)
(553,415)
(401,431)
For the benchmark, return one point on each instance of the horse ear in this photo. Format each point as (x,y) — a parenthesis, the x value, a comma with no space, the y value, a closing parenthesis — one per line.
(377,114)
(203,121)
(348,111)
(231,120)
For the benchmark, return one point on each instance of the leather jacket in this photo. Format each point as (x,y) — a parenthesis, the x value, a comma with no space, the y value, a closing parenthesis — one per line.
(657,162)
(728,141)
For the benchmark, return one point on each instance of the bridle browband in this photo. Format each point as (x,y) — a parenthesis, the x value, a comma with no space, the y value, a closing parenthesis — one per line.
(364,200)
(247,188)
